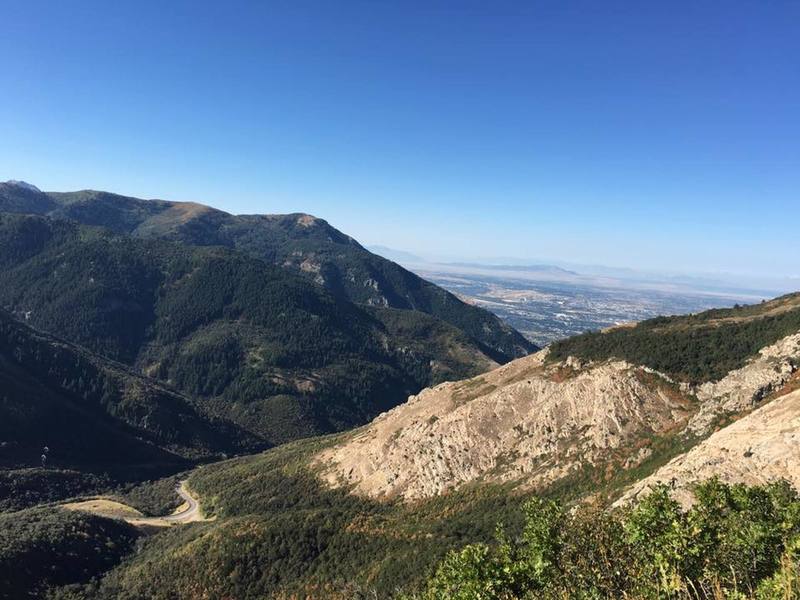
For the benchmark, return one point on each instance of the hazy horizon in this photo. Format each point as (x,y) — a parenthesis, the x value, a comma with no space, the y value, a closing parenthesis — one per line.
(740,281)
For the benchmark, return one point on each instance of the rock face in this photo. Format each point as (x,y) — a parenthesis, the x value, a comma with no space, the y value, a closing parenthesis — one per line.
(744,388)
(534,422)
(761,447)
(526,420)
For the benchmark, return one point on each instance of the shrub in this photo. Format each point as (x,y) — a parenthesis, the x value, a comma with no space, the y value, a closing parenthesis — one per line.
(734,542)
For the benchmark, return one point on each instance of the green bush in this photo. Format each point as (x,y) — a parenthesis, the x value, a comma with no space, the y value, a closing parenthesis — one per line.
(152,498)
(734,542)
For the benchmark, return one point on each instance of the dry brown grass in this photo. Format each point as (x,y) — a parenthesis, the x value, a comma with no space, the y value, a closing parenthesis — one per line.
(105,508)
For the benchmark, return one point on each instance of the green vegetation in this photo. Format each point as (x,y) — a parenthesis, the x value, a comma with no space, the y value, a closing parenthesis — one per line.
(279,531)
(735,542)
(93,414)
(302,244)
(151,498)
(253,343)
(694,348)
(43,548)
(26,488)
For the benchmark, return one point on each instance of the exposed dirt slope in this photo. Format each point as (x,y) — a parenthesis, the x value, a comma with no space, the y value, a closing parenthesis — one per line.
(536,422)
(761,447)
(742,389)
(522,421)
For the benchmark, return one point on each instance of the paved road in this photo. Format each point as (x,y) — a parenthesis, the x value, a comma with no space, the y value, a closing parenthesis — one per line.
(191,512)
(187,515)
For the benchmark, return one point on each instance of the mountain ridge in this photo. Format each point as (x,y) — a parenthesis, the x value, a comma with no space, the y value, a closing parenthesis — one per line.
(298,242)
(255,343)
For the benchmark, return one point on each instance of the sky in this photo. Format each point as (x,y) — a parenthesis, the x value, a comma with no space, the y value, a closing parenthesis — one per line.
(652,135)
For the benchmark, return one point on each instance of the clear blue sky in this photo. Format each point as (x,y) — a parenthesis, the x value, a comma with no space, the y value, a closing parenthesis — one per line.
(646,134)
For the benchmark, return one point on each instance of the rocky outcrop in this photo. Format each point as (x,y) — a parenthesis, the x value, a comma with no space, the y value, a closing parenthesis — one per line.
(524,421)
(762,447)
(535,422)
(742,390)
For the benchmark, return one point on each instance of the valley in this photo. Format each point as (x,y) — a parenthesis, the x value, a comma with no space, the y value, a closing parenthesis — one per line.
(546,307)
(374,510)
(262,408)
(373,300)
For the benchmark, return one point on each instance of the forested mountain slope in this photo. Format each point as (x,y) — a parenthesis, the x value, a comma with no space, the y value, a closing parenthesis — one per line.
(94,414)
(46,547)
(370,513)
(692,348)
(254,343)
(299,243)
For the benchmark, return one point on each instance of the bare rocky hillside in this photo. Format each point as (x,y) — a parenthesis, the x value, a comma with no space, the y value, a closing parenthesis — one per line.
(761,447)
(536,421)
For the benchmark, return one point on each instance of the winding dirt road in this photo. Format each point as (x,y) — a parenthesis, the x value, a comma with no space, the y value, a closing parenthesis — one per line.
(188,512)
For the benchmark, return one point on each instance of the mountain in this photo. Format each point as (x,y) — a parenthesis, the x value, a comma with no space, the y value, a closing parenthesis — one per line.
(300,243)
(253,343)
(371,512)
(95,414)
(580,414)
(24,185)
(20,197)
(395,255)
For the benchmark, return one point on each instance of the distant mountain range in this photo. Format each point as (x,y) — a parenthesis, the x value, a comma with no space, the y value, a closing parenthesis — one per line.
(722,284)
(521,268)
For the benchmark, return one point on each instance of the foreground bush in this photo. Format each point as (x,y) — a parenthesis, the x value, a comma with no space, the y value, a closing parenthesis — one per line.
(735,542)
